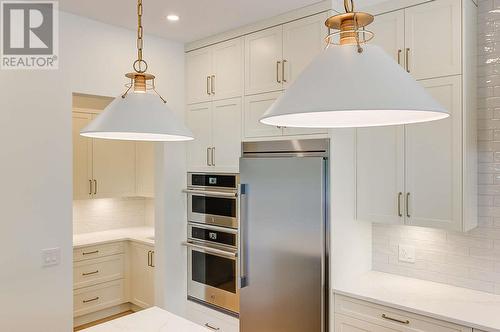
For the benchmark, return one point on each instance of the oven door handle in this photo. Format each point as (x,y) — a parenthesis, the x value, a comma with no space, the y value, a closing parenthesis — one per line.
(210,193)
(211,250)
(243,251)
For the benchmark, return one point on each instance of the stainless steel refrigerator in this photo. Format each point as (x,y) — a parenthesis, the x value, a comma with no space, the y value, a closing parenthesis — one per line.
(284,231)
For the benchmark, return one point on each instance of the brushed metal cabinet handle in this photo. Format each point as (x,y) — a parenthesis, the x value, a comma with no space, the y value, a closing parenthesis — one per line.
(213,155)
(212,84)
(152,258)
(95,187)
(400,214)
(209,163)
(384,316)
(208,85)
(408,205)
(213,328)
(90,273)
(278,64)
(283,71)
(149,258)
(399,56)
(407,59)
(90,300)
(90,252)
(90,187)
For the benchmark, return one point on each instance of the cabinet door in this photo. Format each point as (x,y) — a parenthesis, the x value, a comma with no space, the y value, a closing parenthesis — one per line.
(350,324)
(226,134)
(389,30)
(433,37)
(113,168)
(198,71)
(434,161)
(255,106)
(379,174)
(141,275)
(145,166)
(228,69)
(264,53)
(198,119)
(303,40)
(82,158)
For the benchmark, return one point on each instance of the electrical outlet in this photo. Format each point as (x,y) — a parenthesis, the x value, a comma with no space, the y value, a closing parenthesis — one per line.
(406,253)
(51,256)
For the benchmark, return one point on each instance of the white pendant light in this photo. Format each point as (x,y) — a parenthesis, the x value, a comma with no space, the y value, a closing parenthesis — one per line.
(350,85)
(141,115)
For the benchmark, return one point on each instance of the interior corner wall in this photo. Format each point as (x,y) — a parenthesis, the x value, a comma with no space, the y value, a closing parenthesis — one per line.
(36,162)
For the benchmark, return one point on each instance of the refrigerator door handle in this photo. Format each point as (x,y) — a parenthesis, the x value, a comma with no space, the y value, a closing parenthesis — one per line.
(243,192)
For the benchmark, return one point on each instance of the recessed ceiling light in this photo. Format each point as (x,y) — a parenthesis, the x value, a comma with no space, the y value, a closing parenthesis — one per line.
(173,17)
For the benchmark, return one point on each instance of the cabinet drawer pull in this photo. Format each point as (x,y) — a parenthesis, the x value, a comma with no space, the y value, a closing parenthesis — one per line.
(90,252)
(90,187)
(213,156)
(384,316)
(212,84)
(400,214)
(399,56)
(208,85)
(95,187)
(211,327)
(278,63)
(90,273)
(208,157)
(91,300)
(283,70)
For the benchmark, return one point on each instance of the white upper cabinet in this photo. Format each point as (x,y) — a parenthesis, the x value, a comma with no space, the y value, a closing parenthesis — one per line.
(263,61)
(389,30)
(82,158)
(227,80)
(226,134)
(198,75)
(433,161)
(380,174)
(215,72)
(433,39)
(303,40)
(198,119)
(255,106)
(113,168)
(217,130)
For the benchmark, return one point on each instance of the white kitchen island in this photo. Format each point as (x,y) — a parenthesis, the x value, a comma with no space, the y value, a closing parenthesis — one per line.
(150,320)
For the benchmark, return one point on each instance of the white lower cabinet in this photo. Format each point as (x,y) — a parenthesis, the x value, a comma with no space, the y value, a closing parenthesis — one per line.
(353,315)
(100,296)
(141,275)
(210,319)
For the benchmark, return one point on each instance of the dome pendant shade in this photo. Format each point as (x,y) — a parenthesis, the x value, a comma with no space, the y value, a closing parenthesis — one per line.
(343,88)
(138,117)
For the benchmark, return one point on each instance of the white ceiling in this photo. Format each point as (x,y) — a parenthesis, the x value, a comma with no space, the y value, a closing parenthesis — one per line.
(198,18)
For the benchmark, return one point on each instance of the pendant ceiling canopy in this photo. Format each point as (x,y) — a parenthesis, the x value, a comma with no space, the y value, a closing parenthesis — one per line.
(351,84)
(142,114)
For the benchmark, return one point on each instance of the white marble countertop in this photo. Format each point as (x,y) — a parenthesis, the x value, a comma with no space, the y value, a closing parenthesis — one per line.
(138,234)
(149,320)
(453,304)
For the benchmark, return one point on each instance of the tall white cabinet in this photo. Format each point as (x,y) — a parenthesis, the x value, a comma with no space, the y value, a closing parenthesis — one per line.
(423,174)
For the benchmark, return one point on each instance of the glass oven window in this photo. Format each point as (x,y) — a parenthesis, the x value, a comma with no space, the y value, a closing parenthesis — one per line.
(217,206)
(215,271)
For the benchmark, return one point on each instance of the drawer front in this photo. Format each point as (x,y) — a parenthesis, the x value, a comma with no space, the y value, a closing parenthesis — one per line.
(97,251)
(395,319)
(95,271)
(349,324)
(211,323)
(95,298)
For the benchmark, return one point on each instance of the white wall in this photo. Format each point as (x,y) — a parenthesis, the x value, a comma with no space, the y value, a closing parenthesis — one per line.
(35,136)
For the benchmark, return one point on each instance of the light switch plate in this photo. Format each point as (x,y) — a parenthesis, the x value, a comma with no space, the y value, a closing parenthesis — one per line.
(406,253)
(51,256)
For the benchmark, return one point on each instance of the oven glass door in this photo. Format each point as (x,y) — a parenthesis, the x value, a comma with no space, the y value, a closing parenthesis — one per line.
(213,277)
(212,209)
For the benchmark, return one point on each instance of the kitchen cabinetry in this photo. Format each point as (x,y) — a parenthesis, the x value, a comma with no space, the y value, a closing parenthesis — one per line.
(413,174)
(212,320)
(217,130)
(142,263)
(425,39)
(109,168)
(352,315)
(215,72)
